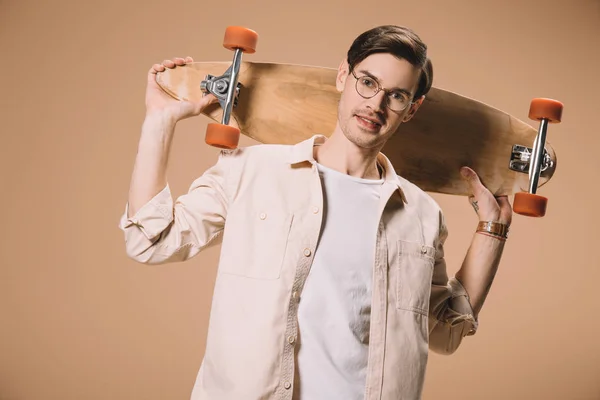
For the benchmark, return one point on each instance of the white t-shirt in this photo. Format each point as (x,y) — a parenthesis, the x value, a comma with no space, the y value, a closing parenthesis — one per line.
(335,305)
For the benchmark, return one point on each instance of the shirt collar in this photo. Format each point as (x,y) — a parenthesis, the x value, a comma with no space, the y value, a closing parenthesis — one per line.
(303,152)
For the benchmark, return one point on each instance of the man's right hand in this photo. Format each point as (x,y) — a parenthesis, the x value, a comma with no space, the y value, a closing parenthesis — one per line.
(161,104)
(162,114)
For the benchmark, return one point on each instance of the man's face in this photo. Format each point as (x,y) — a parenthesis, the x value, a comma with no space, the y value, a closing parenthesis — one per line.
(369,122)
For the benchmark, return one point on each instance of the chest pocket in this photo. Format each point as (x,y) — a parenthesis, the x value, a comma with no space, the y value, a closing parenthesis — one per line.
(414,263)
(255,242)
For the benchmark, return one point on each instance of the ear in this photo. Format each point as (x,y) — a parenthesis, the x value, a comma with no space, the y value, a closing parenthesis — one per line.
(343,71)
(413,109)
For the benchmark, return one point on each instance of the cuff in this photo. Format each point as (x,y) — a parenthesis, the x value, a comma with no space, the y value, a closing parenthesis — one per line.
(153,217)
(460,310)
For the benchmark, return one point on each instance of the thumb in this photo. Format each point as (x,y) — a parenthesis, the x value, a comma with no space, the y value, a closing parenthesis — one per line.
(204,102)
(468,174)
(472,178)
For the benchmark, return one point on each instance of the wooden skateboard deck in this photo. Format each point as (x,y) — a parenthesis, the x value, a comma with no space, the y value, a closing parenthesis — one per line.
(286,104)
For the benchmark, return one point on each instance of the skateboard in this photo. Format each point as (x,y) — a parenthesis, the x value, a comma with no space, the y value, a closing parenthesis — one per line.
(278,103)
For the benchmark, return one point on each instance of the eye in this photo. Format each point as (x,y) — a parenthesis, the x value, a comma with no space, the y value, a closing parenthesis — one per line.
(399,96)
(368,82)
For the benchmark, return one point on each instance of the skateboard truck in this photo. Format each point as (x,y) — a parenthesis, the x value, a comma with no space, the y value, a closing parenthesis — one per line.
(521,159)
(529,203)
(219,87)
(226,87)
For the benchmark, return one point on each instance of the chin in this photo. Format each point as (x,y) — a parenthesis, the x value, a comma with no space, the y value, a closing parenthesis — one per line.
(362,139)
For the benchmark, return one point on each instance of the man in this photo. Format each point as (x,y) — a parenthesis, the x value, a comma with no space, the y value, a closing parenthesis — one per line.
(332,282)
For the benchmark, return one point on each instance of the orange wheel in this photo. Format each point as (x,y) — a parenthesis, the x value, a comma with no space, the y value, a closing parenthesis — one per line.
(531,205)
(222,136)
(238,37)
(546,108)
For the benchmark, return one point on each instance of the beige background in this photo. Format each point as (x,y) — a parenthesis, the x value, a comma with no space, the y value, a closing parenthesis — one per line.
(78,320)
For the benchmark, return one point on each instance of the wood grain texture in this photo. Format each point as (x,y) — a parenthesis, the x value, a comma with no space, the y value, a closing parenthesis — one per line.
(286,103)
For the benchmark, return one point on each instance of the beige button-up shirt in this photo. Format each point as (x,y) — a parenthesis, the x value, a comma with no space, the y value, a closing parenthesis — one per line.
(263,204)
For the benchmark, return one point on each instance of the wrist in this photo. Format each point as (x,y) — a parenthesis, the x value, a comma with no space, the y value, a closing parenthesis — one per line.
(160,118)
(493,228)
(159,125)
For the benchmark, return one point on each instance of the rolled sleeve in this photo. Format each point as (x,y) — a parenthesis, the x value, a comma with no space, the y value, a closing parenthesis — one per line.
(451,316)
(164,230)
(153,217)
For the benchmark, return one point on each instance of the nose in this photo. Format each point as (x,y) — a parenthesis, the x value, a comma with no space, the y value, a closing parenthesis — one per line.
(378,102)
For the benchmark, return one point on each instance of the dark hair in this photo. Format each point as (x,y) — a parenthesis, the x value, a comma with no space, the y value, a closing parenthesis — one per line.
(399,41)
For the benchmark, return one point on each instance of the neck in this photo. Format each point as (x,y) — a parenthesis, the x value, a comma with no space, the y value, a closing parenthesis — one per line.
(342,155)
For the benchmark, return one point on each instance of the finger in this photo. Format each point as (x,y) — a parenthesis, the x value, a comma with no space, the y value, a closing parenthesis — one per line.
(179,61)
(472,179)
(189,60)
(204,102)
(209,99)
(469,174)
(158,68)
(168,63)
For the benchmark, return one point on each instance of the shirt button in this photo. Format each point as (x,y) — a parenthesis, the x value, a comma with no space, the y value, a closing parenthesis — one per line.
(291,340)
(295,294)
(287,385)
(423,249)
(263,215)
(315,210)
(307,252)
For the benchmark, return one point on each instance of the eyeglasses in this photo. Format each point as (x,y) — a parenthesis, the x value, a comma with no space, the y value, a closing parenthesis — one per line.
(368,87)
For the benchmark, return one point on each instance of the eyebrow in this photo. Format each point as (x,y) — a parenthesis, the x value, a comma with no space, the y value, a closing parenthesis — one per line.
(370,75)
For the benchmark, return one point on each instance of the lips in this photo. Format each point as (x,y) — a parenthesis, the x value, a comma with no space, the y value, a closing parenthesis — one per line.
(376,122)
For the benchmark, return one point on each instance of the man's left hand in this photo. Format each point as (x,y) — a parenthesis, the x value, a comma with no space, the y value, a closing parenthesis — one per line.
(487,206)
